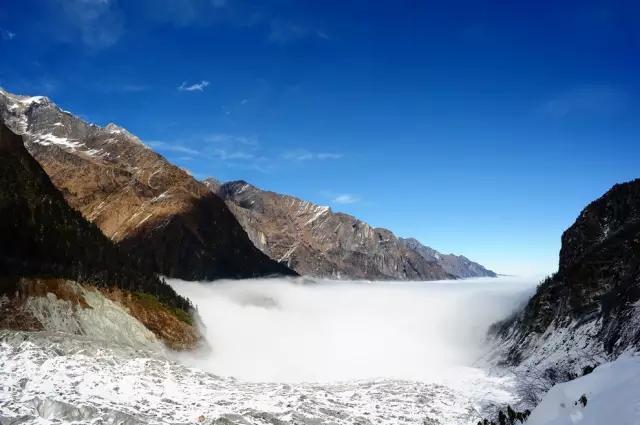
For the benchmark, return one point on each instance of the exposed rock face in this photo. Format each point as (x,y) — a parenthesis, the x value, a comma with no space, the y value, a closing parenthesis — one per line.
(457,265)
(45,246)
(589,311)
(315,241)
(105,314)
(135,196)
(40,235)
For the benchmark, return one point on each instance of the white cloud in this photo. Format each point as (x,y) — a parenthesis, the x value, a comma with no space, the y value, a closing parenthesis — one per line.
(7,35)
(329,156)
(345,198)
(244,101)
(193,87)
(304,155)
(227,155)
(231,140)
(172,147)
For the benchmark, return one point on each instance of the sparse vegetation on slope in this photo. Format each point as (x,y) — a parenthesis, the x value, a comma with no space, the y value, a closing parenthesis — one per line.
(41,236)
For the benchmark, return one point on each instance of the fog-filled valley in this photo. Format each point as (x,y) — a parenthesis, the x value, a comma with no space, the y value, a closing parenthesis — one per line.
(294,330)
(278,350)
(230,212)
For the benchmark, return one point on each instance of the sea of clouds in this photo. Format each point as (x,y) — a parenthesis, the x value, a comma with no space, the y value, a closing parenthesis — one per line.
(295,330)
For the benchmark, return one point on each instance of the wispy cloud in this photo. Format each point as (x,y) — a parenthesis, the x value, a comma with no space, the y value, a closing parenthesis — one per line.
(239,14)
(134,88)
(7,35)
(345,198)
(99,23)
(230,139)
(304,155)
(193,87)
(281,31)
(172,147)
(239,151)
(116,86)
(229,147)
(242,151)
(227,155)
(590,100)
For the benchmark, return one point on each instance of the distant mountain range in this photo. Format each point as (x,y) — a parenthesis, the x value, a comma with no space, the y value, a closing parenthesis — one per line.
(457,265)
(181,227)
(314,240)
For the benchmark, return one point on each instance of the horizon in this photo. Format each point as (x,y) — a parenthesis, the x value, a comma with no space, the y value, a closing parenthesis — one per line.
(479,135)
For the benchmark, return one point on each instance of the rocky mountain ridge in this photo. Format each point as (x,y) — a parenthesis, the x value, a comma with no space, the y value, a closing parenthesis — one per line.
(314,240)
(457,265)
(589,311)
(181,228)
(135,196)
(54,265)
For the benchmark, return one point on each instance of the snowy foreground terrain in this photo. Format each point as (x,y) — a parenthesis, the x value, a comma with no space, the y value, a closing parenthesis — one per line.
(300,353)
(612,394)
(53,377)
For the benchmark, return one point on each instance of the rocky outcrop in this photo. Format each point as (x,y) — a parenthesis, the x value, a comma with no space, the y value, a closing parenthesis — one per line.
(589,311)
(148,206)
(40,235)
(457,265)
(46,247)
(105,314)
(315,241)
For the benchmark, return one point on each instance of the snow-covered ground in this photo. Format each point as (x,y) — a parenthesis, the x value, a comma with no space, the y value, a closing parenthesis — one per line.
(52,377)
(281,352)
(611,393)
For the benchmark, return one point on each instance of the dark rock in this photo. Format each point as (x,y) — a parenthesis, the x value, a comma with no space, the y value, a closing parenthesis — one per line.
(597,286)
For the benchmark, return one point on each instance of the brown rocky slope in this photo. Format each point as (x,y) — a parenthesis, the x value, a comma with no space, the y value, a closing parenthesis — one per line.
(52,259)
(148,206)
(315,241)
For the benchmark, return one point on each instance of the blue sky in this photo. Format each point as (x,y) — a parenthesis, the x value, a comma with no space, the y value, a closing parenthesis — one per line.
(477,127)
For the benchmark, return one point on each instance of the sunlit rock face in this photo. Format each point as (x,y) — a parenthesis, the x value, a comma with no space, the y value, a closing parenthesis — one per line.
(457,265)
(315,241)
(135,196)
(47,247)
(588,311)
(110,315)
(58,305)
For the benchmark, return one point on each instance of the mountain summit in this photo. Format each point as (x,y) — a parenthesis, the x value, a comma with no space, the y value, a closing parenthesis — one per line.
(135,196)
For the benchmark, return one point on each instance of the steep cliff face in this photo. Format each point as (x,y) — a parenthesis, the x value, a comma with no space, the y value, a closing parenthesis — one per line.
(589,311)
(315,241)
(457,265)
(45,246)
(135,196)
